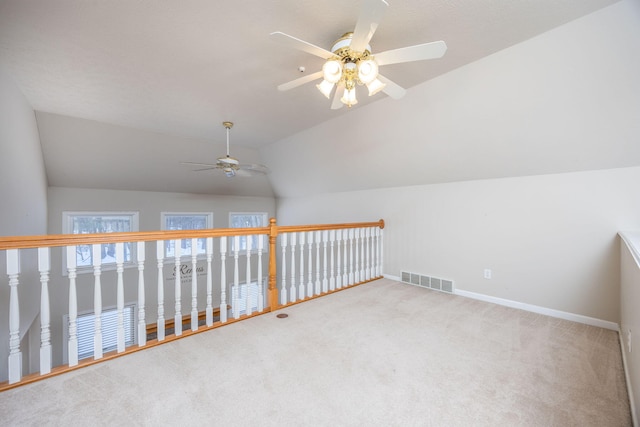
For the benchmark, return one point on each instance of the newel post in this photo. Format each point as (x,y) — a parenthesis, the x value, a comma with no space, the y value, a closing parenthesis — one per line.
(273,290)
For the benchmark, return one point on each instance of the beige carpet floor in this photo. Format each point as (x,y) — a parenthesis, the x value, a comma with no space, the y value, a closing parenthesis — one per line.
(381,354)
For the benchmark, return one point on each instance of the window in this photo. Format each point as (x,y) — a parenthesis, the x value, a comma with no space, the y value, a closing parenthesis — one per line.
(186,221)
(99,222)
(86,330)
(248,220)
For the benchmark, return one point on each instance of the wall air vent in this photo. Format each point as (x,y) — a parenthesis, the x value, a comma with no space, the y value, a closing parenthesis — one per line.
(435,283)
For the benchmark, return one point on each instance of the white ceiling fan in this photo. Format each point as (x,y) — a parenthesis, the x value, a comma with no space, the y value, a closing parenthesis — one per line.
(229,165)
(351,62)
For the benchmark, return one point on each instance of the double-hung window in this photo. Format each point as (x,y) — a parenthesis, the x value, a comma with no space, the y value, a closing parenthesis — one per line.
(186,221)
(99,222)
(248,220)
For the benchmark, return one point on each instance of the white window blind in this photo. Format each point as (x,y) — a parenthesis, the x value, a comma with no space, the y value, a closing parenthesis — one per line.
(86,329)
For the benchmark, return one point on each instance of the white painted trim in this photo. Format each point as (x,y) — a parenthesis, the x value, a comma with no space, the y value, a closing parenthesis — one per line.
(390,277)
(540,310)
(634,417)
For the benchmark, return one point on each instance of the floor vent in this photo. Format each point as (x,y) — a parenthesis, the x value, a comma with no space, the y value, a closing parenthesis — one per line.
(434,283)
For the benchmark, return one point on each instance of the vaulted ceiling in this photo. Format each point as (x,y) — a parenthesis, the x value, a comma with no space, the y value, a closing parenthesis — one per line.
(124,91)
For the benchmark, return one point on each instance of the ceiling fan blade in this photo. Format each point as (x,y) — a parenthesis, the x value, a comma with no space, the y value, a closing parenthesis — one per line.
(336,104)
(197,164)
(299,82)
(300,45)
(418,52)
(392,89)
(254,168)
(370,16)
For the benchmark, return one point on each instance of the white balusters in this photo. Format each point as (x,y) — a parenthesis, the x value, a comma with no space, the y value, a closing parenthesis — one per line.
(283,287)
(381,253)
(223,279)
(97,301)
(357,263)
(367,268)
(301,290)
(310,281)
(345,266)
(194,284)
(332,277)
(72,345)
(45,313)
(318,243)
(236,277)
(160,258)
(177,318)
(120,296)
(142,323)
(338,259)
(362,254)
(292,291)
(351,275)
(248,277)
(260,284)
(15,355)
(325,280)
(209,308)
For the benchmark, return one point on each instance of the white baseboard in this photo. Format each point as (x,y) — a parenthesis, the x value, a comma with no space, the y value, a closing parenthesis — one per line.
(541,310)
(532,308)
(634,417)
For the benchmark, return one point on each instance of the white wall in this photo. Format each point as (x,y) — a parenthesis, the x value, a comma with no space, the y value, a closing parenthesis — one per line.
(149,205)
(22,212)
(550,240)
(630,315)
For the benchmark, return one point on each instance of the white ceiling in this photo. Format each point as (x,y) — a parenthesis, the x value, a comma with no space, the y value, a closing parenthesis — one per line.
(166,74)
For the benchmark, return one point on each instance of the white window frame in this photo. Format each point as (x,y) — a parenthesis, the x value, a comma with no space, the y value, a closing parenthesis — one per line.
(163,226)
(112,310)
(243,239)
(67,228)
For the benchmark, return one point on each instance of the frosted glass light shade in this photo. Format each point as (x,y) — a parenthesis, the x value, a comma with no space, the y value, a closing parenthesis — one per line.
(325,88)
(367,71)
(349,97)
(332,71)
(375,87)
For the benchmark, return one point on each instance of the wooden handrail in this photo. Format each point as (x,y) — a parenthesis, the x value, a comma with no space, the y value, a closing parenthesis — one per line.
(51,240)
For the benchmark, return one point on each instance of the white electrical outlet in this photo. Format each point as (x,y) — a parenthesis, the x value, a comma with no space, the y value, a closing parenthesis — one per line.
(487,273)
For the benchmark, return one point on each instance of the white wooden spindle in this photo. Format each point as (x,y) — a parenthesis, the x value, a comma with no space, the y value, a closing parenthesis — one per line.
(142,322)
(96,250)
(301,290)
(381,254)
(357,266)
(44,266)
(72,344)
(318,284)
(223,279)
(177,318)
(332,277)
(310,258)
(339,259)
(120,296)
(367,268)
(351,273)
(362,254)
(236,277)
(292,291)
(248,277)
(376,252)
(343,244)
(260,284)
(325,279)
(160,259)
(209,308)
(372,266)
(15,355)
(283,273)
(194,284)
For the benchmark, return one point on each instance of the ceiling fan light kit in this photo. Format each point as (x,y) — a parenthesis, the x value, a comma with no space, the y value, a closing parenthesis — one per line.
(350,62)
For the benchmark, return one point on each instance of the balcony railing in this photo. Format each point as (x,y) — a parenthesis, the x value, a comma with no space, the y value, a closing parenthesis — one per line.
(224,284)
